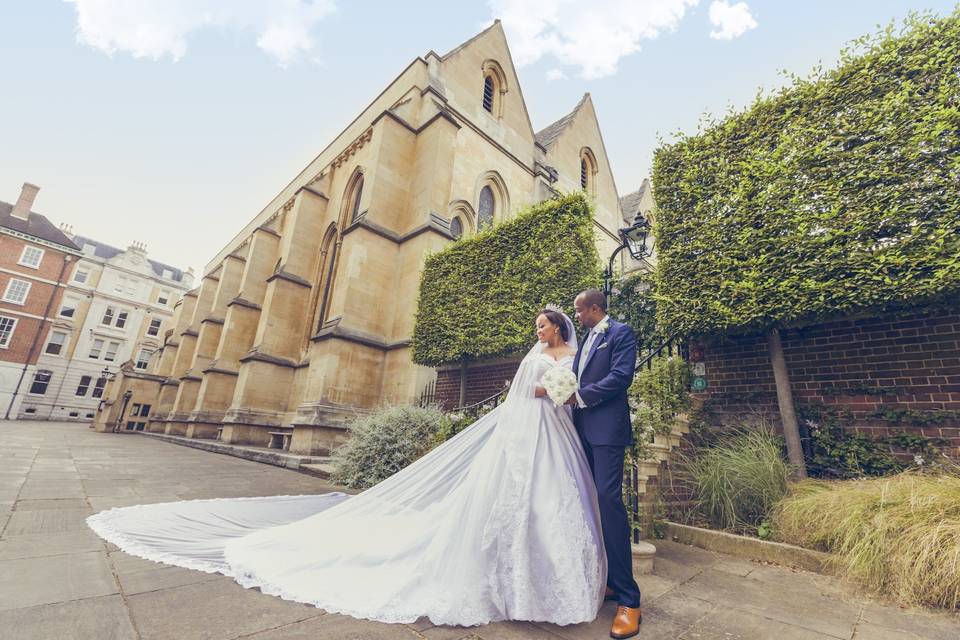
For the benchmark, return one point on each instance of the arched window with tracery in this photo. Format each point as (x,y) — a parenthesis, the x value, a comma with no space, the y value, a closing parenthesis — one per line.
(486,206)
(456,227)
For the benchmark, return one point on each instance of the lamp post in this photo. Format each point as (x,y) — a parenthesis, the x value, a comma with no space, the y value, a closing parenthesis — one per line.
(123,408)
(633,238)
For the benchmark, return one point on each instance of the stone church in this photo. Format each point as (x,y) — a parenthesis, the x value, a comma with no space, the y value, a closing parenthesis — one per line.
(306,315)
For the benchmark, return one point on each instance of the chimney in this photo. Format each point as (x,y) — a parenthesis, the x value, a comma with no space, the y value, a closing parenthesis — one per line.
(25,202)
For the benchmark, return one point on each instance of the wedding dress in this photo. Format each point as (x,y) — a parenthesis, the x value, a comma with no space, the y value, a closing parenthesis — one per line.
(499,523)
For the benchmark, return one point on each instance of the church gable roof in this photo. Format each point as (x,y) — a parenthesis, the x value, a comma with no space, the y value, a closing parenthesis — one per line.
(632,203)
(549,134)
(504,60)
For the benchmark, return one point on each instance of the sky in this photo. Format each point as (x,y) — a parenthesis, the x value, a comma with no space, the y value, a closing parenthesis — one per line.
(174,122)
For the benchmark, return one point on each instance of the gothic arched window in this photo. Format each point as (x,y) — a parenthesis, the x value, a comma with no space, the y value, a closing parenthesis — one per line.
(485,208)
(456,227)
(489,89)
(355,198)
(588,170)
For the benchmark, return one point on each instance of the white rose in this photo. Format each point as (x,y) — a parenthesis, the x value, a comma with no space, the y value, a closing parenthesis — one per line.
(602,326)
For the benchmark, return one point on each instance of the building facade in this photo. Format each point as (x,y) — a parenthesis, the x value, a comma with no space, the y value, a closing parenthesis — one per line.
(113,310)
(36,261)
(305,317)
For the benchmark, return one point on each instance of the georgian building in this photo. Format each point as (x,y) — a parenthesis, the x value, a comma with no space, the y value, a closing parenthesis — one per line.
(112,311)
(36,261)
(305,317)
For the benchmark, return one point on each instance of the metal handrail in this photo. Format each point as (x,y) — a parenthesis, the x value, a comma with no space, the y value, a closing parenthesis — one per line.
(477,405)
(665,344)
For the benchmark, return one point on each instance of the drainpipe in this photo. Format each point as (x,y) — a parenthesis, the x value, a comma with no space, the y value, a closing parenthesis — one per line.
(36,336)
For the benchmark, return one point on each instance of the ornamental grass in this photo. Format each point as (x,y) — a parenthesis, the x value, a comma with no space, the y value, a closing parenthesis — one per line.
(737,481)
(898,535)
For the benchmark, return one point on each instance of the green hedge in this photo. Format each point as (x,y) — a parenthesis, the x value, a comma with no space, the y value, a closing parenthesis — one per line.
(478,296)
(839,194)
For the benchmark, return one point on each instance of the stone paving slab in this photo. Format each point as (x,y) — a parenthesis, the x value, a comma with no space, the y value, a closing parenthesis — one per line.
(59,580)
(103,618)
(27,582)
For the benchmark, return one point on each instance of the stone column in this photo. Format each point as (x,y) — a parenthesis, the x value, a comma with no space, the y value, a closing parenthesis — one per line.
(168,363)
(265,377)
(207,414)
(189,380)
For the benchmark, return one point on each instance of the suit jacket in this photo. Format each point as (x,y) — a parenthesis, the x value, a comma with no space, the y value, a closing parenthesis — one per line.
(606,377)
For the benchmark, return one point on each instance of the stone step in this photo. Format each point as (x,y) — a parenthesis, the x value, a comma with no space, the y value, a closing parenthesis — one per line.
(319,469)
(275,457)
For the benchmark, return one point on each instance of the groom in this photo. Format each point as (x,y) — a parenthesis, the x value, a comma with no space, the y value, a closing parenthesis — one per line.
(604,366)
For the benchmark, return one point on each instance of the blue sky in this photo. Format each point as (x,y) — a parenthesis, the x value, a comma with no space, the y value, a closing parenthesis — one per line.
(173,122)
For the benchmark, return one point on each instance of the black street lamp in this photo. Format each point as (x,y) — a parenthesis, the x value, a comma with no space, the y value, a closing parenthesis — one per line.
(633,238)
(123,409)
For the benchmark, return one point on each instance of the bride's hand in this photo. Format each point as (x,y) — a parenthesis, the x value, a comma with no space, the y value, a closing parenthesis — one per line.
(539,392)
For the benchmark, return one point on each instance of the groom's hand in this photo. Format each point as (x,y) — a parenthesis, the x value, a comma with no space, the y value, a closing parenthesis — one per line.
(539,392)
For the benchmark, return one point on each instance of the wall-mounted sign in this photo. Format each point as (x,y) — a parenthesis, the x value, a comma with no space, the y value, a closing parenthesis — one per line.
(699,369)
(696,353)
(699,383)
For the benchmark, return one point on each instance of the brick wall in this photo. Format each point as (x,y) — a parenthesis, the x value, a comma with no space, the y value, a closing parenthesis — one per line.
(38,297)
(483,380)
(913,359)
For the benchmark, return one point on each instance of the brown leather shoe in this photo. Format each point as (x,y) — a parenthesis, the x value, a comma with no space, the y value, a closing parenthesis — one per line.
(608,594)
(626,623)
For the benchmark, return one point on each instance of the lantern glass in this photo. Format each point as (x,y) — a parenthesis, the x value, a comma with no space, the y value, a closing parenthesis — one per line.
(635,237)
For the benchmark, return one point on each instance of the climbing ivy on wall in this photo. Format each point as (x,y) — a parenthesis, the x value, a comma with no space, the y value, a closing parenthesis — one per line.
(479,296)
(839,194)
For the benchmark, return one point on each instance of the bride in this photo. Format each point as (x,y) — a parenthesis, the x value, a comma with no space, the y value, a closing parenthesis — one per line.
(499,523)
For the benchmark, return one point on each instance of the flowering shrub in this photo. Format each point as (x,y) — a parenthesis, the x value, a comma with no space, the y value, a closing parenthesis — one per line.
(385,442)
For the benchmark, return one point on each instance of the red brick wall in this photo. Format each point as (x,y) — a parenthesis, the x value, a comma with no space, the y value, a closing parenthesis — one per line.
(37,298)
(914,358)
(483,381)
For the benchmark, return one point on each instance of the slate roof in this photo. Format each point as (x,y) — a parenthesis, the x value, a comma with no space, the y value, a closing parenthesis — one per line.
(106,252)
(630,203)
(35,225)
(548,135)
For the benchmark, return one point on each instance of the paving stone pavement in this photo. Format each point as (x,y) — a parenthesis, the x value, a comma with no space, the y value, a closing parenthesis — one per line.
(60,581)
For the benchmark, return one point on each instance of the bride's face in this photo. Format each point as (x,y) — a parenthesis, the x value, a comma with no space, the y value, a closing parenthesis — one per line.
(546,330)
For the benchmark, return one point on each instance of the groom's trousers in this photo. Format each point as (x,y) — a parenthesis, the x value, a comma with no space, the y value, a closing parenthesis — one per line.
(606,463)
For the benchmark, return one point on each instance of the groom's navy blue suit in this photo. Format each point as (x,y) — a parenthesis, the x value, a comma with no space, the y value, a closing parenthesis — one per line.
(605,431)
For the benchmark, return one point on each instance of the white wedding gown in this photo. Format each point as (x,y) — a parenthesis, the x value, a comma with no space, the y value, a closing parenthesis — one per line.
(499,523)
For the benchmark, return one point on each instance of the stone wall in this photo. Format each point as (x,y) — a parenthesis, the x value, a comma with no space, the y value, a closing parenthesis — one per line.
(895,363)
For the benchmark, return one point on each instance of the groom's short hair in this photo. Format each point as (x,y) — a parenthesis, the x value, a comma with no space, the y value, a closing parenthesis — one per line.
(593,297)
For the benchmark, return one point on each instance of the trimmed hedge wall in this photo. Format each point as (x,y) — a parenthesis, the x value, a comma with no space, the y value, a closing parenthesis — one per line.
(478,296)
(839,194)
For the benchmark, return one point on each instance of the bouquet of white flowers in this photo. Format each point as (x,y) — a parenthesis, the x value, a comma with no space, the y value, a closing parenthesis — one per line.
(560,382)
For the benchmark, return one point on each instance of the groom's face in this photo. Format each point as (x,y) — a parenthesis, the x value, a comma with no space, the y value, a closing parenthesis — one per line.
(587,316)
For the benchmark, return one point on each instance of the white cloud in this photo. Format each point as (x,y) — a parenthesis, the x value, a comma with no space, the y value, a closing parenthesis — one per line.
(556,74)
(592,35)
(160,28)
(731,21)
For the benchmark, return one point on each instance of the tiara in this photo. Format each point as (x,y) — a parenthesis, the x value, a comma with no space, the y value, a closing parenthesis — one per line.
(553,307)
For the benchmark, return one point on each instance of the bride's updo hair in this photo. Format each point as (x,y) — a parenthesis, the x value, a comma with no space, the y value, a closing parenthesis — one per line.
(557,319)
